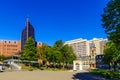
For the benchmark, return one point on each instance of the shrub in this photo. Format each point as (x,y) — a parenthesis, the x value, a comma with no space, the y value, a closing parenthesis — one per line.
(42,68)
(30,68)
(24,67)
(106,73)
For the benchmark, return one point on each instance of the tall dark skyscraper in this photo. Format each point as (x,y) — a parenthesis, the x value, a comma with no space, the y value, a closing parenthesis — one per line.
(27,32)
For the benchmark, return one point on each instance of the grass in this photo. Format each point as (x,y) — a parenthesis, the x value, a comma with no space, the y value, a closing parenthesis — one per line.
(106,74)
(31,68)
(52,69)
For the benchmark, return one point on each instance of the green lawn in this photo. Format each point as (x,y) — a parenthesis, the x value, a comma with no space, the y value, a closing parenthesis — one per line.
(106,73)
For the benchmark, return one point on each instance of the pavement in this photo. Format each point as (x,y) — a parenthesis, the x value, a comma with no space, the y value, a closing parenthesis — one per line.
(48,75)
(85,75)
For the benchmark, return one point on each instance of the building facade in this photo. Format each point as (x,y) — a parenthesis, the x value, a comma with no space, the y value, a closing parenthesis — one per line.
(26,33)
(99,45)
(84,47)
(92,55)
(10,47)
(96,48)
(87,50)
(39,44)
(80,47)
(99,62)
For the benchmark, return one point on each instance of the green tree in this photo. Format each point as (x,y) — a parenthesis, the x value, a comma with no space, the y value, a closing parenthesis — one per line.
(58,53)
(67,54)
(111,21)
(1,57)
(111,24)
(58,45)
(109,52)
(42,52)
(29,52)
(54,56)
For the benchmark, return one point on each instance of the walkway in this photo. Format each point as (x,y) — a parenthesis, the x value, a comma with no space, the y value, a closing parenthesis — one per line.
(47,75)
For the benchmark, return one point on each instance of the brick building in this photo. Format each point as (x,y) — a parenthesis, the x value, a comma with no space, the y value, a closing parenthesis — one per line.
(10,47)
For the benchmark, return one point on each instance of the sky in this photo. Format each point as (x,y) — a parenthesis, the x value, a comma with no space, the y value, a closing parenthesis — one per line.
(52,19)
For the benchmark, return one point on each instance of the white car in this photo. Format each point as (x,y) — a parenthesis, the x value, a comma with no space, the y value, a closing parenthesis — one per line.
(1,68)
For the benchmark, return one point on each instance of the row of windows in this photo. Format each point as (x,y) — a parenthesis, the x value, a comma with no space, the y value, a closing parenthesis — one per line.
(9,49)
(83,46)
(99,57)
(13,49)
(8,52)
(98,60)
(10,42)
(10,46)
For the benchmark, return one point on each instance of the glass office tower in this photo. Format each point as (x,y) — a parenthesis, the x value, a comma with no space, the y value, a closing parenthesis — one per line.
(27,32)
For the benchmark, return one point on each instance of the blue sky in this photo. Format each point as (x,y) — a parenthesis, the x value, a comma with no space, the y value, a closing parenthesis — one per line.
(52,19)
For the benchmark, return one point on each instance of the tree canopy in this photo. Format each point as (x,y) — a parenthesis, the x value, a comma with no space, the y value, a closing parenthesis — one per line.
(58,53)
(111,24)
(110,50)
(68,54)
(1,57)
(111,20)
(66,51)
(29,52)
(42,52)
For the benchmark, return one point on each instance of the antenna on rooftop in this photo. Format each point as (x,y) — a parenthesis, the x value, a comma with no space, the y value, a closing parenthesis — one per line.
(27,18)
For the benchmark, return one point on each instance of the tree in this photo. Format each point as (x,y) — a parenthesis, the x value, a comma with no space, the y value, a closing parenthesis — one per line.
(58,53)
(1,57)
(29,52)
(111,54)
(111,21)
(68,54)
(58,45)
(42,52)
(54,56)
(111,24)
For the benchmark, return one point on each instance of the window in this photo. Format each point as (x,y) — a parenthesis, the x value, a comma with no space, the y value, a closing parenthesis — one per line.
(99,56)
(8,45)
(15,42)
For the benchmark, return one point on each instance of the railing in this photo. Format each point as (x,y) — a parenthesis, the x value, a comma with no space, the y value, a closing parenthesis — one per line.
(16,66)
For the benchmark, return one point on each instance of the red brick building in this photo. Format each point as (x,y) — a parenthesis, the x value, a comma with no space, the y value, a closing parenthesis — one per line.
(10,47)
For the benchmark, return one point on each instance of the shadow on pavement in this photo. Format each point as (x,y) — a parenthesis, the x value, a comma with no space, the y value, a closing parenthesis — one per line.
(86,76)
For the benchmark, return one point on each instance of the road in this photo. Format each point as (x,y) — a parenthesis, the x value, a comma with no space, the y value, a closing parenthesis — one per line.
(47,75)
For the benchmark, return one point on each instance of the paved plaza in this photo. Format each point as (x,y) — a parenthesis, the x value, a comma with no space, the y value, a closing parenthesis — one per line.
(47,75)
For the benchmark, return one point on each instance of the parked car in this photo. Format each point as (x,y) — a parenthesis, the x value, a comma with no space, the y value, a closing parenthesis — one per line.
(2,68)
